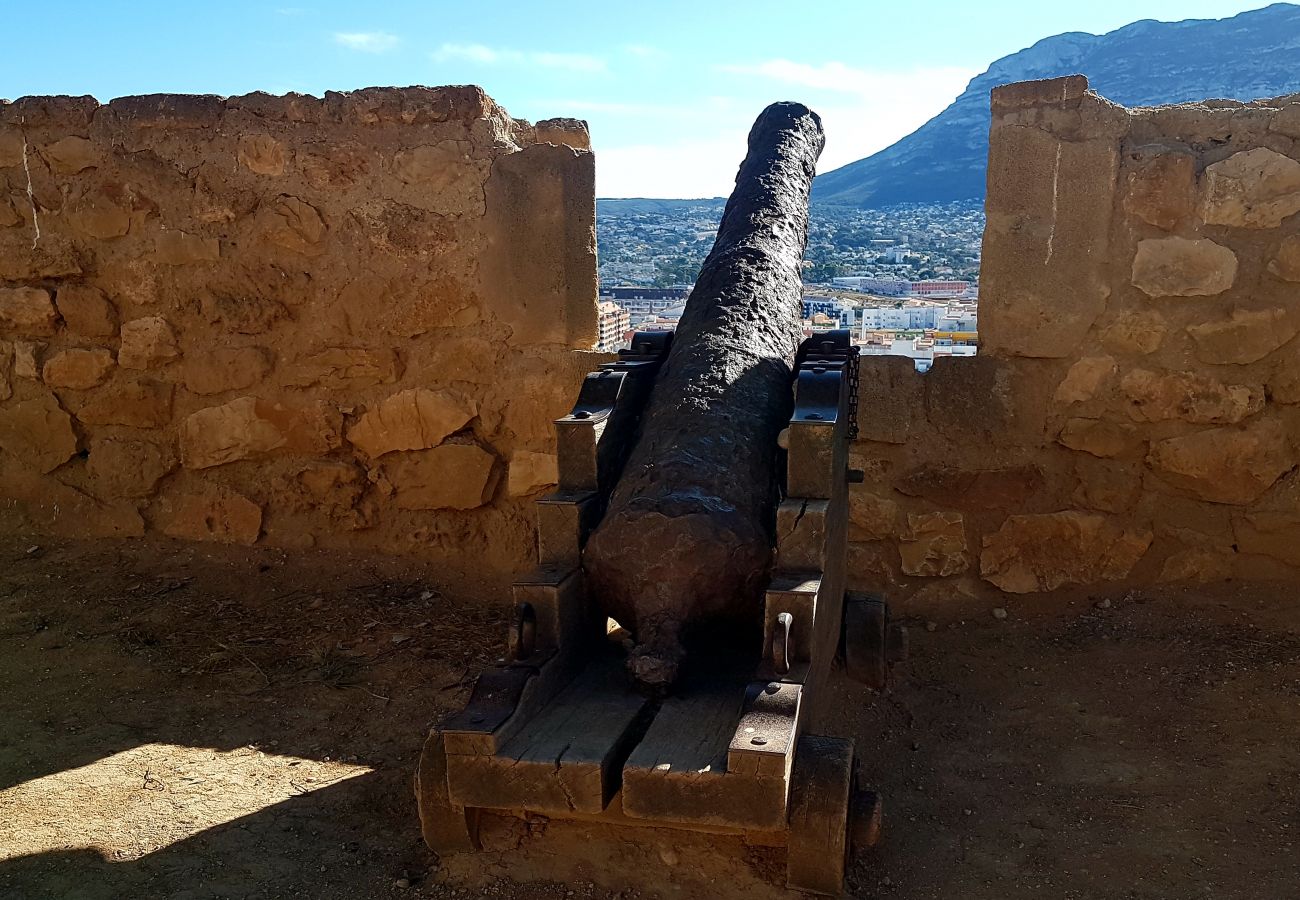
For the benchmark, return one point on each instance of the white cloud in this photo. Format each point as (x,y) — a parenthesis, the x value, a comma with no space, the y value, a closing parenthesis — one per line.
(862,111)
(479,53)
(644,51)
(680,170)
(472,52)
(367,41)
(843,78)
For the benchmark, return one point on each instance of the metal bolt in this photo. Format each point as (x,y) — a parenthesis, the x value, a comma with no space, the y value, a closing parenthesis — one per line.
(758,740)
(582,414)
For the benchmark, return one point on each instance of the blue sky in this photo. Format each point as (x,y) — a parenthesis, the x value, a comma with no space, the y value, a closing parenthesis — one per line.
(669,88)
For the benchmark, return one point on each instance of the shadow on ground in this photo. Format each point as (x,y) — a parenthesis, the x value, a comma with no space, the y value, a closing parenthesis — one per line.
(182,722)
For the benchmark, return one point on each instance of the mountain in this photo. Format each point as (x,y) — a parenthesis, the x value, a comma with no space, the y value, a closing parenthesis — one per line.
(1251,55)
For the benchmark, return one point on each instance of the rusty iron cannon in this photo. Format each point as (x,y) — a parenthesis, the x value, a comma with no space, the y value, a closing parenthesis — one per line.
(671,661)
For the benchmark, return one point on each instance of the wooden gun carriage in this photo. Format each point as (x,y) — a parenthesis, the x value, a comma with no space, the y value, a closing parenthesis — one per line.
(744,739)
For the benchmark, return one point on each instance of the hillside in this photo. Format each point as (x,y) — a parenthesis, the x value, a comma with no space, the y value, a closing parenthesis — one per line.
(1251,55)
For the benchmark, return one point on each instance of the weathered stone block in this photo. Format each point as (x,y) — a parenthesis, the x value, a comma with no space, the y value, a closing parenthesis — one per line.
(871,516)
(1106,485)
(1066,90)
(1156,397)
(451,476)
(996,487)
(1286,265)
(10,217)
(27,359)
(1225,465)
(346,367)
(334,488)
(136,402)
(226,369)
(448,177)
(12,147)
(1084,379)
(250,427)
(1287,121)
(147,343)
(86,311)
(934,545)
(1182,267)
(1135,332)
(1161,190)
(127,468)
(53,507)
(1274,533)
(530,472)
(176,248)
(6,364)
(415,419)
(890,393)
(27,311)
(261,154)
(70,155)
(1284,383)
(102,214)
(213,515)
(1255,188)
(1197,565)
(1245,337)
(990,400)
(571,132)
(473,360)
(54,256)
(1044,279)
(242,314)
(294,225)
(78,369)
(1043,552)
(38,432)
(1101,438)
(537,275)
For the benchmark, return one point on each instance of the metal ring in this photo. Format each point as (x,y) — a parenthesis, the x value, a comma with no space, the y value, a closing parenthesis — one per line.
(525,631)
(781,643)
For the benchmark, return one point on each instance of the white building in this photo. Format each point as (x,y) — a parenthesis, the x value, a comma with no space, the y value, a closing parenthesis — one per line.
(891,318)
(613,323)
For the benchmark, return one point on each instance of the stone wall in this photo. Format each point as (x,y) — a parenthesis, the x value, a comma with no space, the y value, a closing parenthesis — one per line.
(350,322)
(289,320)
(1134,415)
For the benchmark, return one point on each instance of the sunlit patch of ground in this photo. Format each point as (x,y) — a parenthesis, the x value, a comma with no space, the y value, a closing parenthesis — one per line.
(149,797)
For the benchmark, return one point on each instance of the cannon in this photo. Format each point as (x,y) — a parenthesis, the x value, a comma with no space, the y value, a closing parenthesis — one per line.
(671,661)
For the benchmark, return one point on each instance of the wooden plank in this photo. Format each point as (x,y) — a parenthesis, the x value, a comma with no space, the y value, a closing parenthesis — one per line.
(820,802)
(566,624)
(563,523)
(801,535)
(678,773)
(568,758)
(447,828)
(764,739)
(797,595)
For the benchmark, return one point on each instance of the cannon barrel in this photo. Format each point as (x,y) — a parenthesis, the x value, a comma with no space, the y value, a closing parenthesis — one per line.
(686,542)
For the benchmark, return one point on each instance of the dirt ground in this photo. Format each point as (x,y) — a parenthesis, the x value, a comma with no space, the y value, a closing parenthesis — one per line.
(185,721)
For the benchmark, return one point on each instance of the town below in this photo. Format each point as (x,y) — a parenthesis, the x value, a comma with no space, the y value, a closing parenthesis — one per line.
(903,279)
